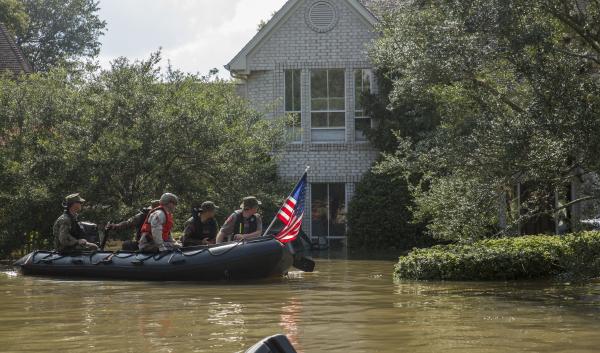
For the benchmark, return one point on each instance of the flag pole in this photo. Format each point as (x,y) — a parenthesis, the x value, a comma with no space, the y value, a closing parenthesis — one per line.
(275,217)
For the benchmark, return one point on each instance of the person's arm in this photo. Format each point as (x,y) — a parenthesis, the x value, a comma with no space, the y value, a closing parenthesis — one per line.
(258,231)
(226,230)
(157,220)
(121,226)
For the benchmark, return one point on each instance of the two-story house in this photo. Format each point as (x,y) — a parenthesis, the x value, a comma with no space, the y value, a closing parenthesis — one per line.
(310,62)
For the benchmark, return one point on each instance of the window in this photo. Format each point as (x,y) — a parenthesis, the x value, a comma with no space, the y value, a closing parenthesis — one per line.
(328,105)
(328,216)
(362,87)
(293,106)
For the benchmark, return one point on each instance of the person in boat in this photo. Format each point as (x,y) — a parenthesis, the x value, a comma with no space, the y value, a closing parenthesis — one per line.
(156,231)
(136,223)
(244,223)
(202,227)
(68,235)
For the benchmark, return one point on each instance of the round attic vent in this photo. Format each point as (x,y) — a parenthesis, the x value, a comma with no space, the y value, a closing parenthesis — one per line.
(321,16)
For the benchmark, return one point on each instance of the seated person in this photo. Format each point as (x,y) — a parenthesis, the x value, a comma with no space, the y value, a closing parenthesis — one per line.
(156,230)
(243,224)
(135,222)
(201,228)
(68,235)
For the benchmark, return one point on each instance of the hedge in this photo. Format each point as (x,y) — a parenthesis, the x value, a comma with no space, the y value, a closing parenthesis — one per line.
(379,216)
(529,257)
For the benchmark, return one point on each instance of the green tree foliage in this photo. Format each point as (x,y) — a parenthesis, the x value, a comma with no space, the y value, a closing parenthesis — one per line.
(122,137)
(54,32)
(14,16)
(514,86)
(380,217)
(533,257)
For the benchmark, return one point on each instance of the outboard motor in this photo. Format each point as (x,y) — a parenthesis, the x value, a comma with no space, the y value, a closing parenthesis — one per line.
(273,344)
(90,232)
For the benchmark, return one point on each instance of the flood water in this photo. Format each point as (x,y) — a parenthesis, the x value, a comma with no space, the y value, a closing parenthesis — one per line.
(346,306)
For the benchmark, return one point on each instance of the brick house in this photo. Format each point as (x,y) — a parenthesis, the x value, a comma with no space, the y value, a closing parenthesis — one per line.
(11,57)
(310,62)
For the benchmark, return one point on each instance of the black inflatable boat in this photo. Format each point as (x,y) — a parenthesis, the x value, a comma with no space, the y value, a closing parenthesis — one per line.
(255,259)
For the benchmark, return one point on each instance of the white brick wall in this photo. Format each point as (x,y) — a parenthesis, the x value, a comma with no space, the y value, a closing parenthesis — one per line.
(293,45)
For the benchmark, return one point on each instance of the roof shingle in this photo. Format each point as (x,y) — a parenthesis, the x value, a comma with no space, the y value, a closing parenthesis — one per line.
(11,57)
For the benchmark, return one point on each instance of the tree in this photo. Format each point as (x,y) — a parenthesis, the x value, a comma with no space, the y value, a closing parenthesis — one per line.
(53,32)
(14,16)
(514,84)
(122,137)
(380,216)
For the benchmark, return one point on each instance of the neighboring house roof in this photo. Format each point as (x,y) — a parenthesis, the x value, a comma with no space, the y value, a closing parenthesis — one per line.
(11,57)
(238,63)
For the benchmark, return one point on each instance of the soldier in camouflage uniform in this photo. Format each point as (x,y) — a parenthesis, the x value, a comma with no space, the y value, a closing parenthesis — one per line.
(202,227)
(243,224)
(68,235)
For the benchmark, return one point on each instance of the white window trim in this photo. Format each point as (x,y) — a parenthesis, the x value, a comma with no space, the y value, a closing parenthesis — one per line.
(299,112)
(360,116)
(345,111)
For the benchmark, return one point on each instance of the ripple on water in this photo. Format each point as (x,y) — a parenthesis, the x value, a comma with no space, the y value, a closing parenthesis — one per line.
(345,306)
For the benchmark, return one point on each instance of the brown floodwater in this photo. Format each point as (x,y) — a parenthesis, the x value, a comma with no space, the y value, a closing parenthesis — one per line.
(346,306)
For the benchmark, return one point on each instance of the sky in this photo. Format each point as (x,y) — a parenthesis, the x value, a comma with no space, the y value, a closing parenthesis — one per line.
(195,35)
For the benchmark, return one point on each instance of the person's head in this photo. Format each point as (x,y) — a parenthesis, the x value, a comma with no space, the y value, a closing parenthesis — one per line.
(250,205)
(208,209)
(169,202)
(73,203)
(154,204)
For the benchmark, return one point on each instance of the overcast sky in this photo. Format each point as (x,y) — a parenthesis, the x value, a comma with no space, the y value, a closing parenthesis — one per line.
(195,35)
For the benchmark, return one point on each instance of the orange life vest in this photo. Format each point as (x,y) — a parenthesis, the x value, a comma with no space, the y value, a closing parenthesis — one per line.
(166,230)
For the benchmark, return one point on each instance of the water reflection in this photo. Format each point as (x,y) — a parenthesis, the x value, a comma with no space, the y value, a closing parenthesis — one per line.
(346,306)
(290,321)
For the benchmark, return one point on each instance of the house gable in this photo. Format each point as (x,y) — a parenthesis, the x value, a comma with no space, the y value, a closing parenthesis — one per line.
(290,36)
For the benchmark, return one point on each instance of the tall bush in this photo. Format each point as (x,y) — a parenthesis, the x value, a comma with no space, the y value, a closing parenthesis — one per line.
(380,217)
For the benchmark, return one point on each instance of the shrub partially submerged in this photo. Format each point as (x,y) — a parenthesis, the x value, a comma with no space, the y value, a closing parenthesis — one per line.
(529,257)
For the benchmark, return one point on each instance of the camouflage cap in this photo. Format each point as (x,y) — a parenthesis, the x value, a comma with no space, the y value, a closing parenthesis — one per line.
(209,206)
(250,202)
(74,198)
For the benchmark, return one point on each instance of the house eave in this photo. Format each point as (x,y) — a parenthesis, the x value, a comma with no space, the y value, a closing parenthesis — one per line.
(239,62)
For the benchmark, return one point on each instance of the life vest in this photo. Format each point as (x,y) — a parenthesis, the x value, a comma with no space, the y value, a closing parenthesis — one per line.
(204,230)
(239,227)
(166,230)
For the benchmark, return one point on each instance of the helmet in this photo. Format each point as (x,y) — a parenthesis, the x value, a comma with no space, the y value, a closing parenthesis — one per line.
(167,198)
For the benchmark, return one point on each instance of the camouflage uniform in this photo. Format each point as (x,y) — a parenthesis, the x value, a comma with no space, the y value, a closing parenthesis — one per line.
(63,240)
(238,224)
(196,232)
(66,230)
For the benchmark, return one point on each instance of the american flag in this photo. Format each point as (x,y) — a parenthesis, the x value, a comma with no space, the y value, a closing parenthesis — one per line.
(291,213)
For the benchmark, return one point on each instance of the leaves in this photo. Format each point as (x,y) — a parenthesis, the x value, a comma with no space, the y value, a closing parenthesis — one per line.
(533,257)
(124,136)
(510,90)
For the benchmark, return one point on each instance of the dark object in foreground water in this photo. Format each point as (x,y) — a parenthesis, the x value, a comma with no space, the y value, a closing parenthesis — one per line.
(255,259)
(273,344)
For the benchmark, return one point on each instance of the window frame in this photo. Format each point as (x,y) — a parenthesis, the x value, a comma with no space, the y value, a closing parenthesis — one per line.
(328,204)
(360,114)
(328,111)
(298,112)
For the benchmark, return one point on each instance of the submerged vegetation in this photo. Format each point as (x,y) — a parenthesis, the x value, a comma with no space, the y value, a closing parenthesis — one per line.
(575,256)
